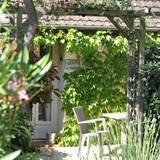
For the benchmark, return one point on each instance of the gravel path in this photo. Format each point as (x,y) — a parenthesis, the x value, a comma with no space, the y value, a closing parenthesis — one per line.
(69,153)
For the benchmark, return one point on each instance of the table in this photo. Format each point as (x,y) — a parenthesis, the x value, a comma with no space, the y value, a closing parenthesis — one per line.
(119,117)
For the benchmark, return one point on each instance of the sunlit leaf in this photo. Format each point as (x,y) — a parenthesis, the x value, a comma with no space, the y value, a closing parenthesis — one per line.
(25,61)
(11,156)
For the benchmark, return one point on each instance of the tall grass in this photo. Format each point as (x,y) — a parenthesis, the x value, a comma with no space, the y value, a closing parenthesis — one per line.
(139,146)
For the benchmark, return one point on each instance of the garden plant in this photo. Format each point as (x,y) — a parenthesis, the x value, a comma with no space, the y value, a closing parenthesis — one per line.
(135,147)
(18,80)
(152,85)
(107,68)
(99,69)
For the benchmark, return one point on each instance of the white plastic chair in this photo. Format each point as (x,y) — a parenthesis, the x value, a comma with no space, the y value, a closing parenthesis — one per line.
(86,135)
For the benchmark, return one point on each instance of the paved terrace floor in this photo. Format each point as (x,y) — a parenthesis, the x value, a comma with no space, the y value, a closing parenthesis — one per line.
(69,153)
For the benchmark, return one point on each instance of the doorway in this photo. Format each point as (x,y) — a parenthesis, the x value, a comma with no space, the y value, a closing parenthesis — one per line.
(42,120)
(45,119)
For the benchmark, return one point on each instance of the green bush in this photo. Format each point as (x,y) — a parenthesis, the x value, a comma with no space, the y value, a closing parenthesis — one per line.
(23,131)
(152,84)
(17,82)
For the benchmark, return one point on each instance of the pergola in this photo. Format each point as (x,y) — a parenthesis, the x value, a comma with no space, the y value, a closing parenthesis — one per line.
(118,15)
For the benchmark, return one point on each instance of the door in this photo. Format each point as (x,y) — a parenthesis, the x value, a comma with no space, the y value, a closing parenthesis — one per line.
(45,118)
(42,120)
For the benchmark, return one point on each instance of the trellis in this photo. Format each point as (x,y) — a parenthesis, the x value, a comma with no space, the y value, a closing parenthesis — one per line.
(134,34)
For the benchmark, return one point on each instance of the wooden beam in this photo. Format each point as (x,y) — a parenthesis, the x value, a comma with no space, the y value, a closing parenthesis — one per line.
(129,84)
(128,21)
(19,25)
(12,34)
(97,12)
(11,20)
(119,27)
(14,9)
(130,64)
(41,11)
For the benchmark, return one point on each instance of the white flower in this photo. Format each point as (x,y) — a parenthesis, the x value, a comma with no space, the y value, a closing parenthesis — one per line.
(23,95)
(11,85)
(2,18)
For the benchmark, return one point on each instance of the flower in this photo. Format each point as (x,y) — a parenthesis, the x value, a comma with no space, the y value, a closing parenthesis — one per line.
(11,85)
(22,95)
(2,18)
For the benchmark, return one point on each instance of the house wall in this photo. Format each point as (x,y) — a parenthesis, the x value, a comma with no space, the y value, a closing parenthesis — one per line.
(58,57)
(66,63)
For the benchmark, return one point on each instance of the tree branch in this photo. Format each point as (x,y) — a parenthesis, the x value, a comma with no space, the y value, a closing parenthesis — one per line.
(32,23)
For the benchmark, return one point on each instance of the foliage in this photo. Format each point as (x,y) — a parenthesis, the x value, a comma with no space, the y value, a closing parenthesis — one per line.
(152,83)
(135,148)
(23,131)
(151,38)
(107,68)
(78,82)
(17,80)
(45,37)
(100,85)
(44,96)
(18,85)
(12,155)
(76,5)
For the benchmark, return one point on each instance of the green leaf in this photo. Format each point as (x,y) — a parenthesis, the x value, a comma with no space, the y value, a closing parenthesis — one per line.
(3,7)
(18,58)
(2,91)
(11,156)
(42,72)
(25,61)
(4,55)
(37,67)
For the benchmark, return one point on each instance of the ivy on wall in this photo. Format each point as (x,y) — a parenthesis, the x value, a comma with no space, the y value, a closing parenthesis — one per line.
(104,73)
(99,86)
(102,81)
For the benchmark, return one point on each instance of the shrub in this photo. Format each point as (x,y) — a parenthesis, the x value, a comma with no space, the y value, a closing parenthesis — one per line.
(152,84)
(23,131)
(17,82)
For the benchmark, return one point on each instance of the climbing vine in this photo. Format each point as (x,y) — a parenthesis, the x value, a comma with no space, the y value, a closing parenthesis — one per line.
(100,85)
(75,5)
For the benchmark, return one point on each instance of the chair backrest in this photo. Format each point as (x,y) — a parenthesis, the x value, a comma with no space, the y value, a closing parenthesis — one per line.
(80,116)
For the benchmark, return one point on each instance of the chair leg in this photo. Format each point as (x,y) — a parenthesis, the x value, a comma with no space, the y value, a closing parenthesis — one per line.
(88,144)
(100,145)
(81,144)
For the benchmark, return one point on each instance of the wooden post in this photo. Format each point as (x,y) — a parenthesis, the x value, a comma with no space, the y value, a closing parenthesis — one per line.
(130,78)
(19,25)
(140,86)
(12,34)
